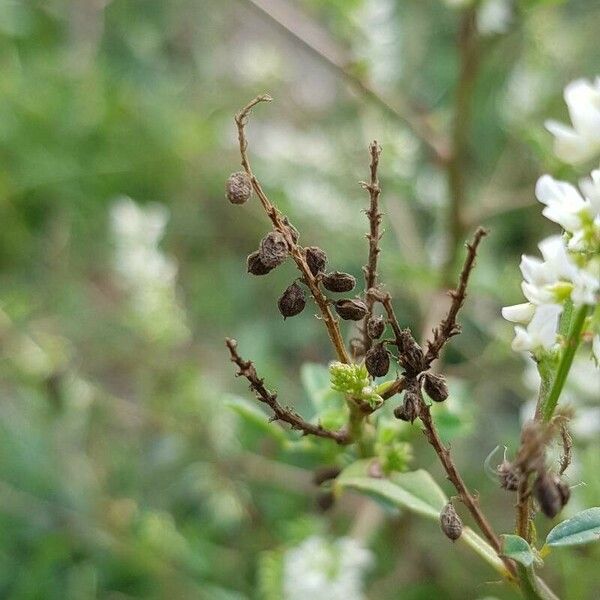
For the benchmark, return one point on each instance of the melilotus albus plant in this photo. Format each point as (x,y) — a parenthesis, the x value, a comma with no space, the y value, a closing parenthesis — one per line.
(561,314)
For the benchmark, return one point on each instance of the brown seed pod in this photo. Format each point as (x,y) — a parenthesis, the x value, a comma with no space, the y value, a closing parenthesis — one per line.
(325,500)
(435,386)
(338,282)
(255,265)
(409,410)
(547,494)
(564,490)
(238,188)
(292,301)
(375,327)
(377,361)
(324,474)
(293,231)
(316,259)
(351,310)
(273,249)
(450,522)
(412,357)
(509,476)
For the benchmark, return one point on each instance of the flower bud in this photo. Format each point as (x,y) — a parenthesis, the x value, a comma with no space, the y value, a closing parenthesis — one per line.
(547,494)
(273,249)
(375,327)
(435,386)
(409,410)
(292,301)
(238,188)
(339,282)
(377,361)
(255,265)
(316,259)
(351,310)
(450,522)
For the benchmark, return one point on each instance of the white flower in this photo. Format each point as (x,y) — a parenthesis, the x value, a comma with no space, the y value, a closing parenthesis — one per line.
(541,331)
(519,313)
(591,189)
(494,16)
(318,568)
(582,141)
(564,204)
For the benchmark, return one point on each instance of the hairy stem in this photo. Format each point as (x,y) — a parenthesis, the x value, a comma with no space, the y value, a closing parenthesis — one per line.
(286,415)
(370,269)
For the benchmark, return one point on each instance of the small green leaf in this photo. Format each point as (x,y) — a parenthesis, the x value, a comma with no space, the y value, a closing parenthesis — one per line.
(515,547)
(583,528)
(255,417)
(415,491)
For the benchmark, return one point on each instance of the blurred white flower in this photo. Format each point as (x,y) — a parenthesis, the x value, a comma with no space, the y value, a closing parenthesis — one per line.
(494,16)
(145,273)
(519,313)
(564,204)
(541,330)
(581,141)
(591,190)
(319,568)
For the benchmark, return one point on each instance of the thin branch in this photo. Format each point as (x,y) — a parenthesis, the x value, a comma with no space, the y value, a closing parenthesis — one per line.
(457,481)
(279,223)
(370,269)
(286,415)
(470,59)
(318,42)
(449,327)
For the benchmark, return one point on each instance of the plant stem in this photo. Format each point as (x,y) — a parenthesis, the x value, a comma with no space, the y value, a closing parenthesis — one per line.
(548,405)
(533,587)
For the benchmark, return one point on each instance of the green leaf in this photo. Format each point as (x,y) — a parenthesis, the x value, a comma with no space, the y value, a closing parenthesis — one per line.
(315,380)
(415,491)
(255,417)
(583,528)
(515,547)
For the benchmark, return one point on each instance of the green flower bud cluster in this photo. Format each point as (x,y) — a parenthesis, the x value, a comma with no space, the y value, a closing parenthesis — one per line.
(355,381)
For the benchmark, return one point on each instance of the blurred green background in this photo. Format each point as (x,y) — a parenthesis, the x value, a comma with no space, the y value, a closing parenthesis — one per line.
(124,471)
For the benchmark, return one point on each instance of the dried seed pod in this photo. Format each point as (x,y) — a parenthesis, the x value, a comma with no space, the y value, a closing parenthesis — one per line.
(316,259)
(450,522)
(435,386)
(409,410)
(412,356)
(238,188)
(338,282)
(351,310)
(273,249)
(255,265)
(375,327)
(293,231)
(509,476)
(292,301)
(377,361)
(324,474)
(325,500)
(564,490)
(547,494)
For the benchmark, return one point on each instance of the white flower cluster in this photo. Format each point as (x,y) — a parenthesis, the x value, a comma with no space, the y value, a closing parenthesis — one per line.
(146,274)
(569,271)
(318,568)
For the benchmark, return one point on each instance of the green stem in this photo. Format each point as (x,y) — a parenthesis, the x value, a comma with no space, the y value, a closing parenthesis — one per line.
(532,587)
(549,404)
